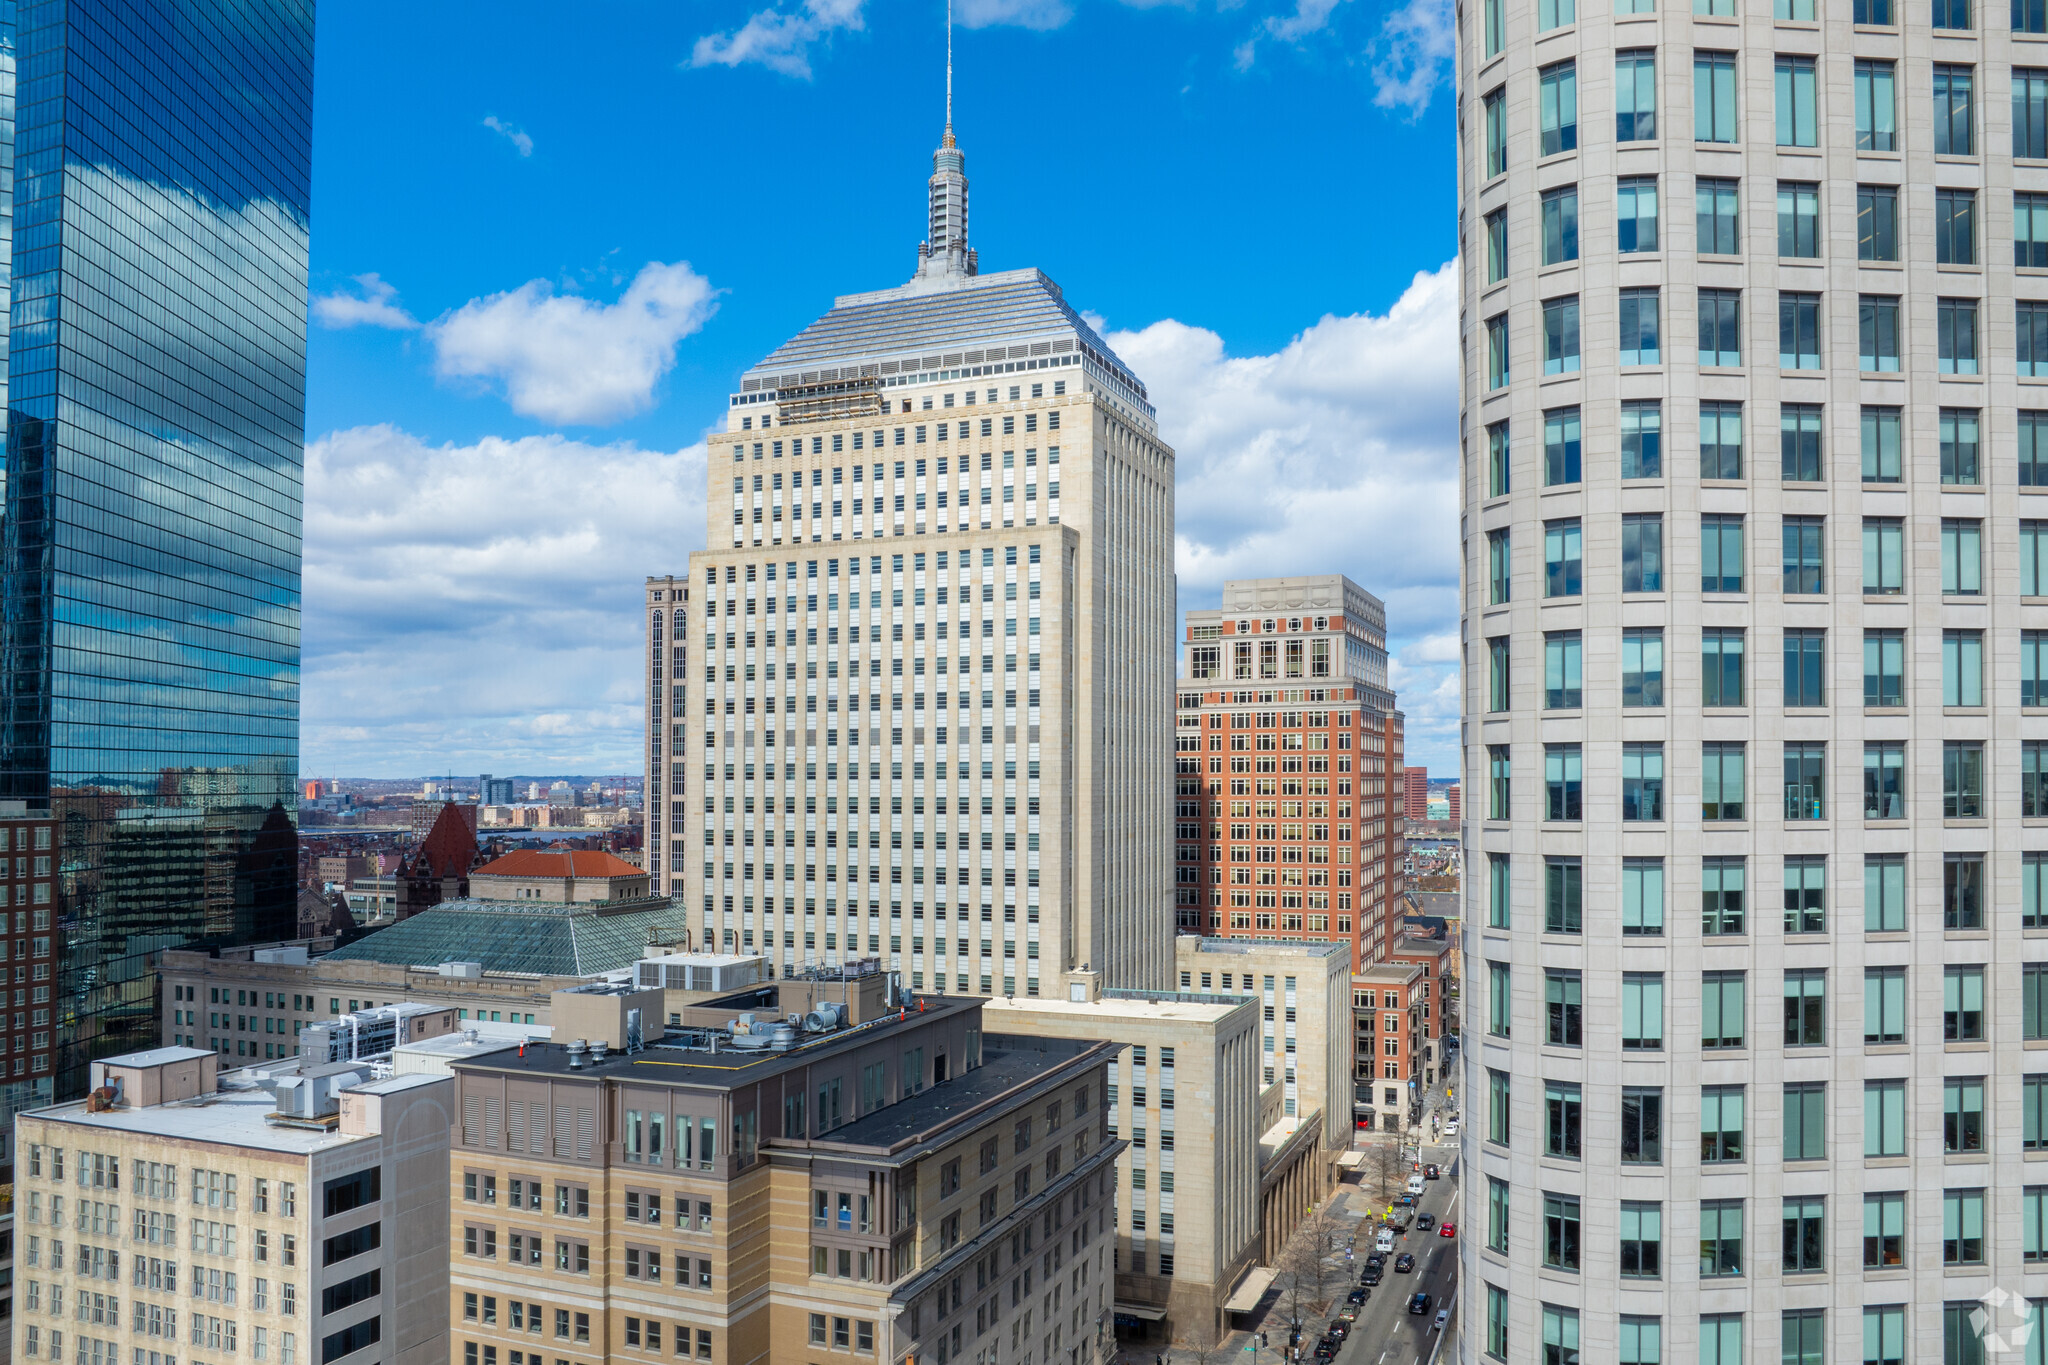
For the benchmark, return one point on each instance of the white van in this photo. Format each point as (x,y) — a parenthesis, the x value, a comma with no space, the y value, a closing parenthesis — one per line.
(1417,1183)
(1385,1243)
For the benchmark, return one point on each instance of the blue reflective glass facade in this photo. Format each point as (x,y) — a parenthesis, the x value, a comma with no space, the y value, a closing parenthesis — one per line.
(160,166)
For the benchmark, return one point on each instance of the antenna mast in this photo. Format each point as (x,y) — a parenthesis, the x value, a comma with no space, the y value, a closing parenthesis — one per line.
(949,73)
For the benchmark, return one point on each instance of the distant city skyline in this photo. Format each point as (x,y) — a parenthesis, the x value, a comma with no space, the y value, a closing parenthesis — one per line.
(482,507)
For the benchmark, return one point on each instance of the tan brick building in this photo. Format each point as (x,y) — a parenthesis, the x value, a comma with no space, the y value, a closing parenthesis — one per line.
(901,1188)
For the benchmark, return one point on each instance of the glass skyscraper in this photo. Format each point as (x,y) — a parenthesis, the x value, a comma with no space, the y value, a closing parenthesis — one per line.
(157,203)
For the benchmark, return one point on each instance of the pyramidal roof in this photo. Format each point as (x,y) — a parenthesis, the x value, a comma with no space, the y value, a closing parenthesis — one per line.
(948,320)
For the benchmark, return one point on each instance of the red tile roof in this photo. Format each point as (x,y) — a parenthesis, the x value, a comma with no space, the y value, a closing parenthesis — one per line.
(528,862)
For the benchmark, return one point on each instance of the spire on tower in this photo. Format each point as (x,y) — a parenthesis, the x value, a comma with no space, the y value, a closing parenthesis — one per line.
(949,73)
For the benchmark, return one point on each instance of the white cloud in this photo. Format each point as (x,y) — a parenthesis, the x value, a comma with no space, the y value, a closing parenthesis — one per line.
(518,137)
(1412,56)
(476,607)
(568,360)
(1038,14)
(1310,16)
(1336,453)
(373,306)
(777,40)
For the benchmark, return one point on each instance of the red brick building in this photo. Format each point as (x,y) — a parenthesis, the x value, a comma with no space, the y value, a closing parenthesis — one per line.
(1457,800)
(31,892)
(1415,788)
(1287,741)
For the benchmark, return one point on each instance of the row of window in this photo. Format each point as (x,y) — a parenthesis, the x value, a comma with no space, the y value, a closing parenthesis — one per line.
(1724,895)
(1879,327)
(1801,445)
(1723,1016)
(1953,16)
(1952,97)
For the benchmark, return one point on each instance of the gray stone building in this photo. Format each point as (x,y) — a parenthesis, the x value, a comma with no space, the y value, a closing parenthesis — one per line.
(1752,354)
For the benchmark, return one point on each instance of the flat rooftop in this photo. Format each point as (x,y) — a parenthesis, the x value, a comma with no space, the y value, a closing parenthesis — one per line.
(1002,1070)
(1245,947)
(157,1056)
(668,1062)
(1158,1006)
(230,1118)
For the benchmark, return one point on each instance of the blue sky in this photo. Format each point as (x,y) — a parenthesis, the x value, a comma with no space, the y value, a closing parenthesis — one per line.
(542,251)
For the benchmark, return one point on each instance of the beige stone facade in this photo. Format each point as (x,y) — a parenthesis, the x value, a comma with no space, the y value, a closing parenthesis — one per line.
(910,1189)
(201,1227)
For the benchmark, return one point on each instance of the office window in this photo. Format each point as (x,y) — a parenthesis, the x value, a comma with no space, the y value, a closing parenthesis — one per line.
(1636,214)
(1806,667)
(1884,556)
(1501,1008)
(1642,1012)
(1805,1008)
(1562,562)
(1642,443)
(1721,553)
(2034,1000)
(1884,780)
(1955,226)
(1714,204)
(1642,1241)
(2033,668)
(1563,671)
(2029,113)
(1494,23)
(1962,557)
(1806,1121)
(1962,1004)
(1955,335)
(1962,1227)
(1643,553)
(2034,1113)
(1873,12)
(1962,668)
(1496,246)
(2030,346)
(1884,1247)
(1499,567)
(1805,548)
(1499,661)
(1962,780)
(2034,888)
(1560,1252)
(1561,1116)
(1558,108)
(1720,1238)
(1884,668)
(1500,771)
(1721,1011)
(1642,667)
(1552,14)
(1563,1025)
(1804,1253)
(1723,891)
(1877,220)
(1560,214)
(1642,897)
(1639,330)
(1561,335)
(1884,893)
(1721,439)
(1713,97)
(2034,1224)
(1642,1125)
(1798,219)
(1499,454)
(1721,781)
(1962,888)
(1642,782)
(1561,1325)
(1563,896)
(1954,95)
(1877,333)
(1877,123)
(2033,782)
(1959,450)
(1494,108)
(1560,446)
(1796,108)
(1798,331)
(1562,782)
(1721,333)
(1806,894)
(1500,892)
(1884,1005)
(1799,11)
(1884,1118)
(1801,1340)
(1498,1210)
(1962,1114)
(1881,445)
(1953,14)
(2029,16)
(1635,96)
(1721,1124)
(1496,1322)
(1497,371)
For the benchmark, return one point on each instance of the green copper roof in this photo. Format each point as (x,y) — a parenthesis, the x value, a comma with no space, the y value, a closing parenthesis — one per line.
(517,936)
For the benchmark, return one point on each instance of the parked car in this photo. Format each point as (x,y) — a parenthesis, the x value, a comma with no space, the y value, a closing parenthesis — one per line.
(1372,1276)
(1358,1296)
(1326,1349)
(1350,1313)
(1451,1129)
(1448,1230)
(1378,1258)
(1419,1304)
(1385,1242)
(1403,1263)
(1424,1222)
(1443,1317)
(1339,1329)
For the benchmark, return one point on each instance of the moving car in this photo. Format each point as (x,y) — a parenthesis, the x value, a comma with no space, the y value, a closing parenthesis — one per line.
(1378,1258)
(1417,1183)
(1448,1230)
(1424,1222)
(1419,1304)
(1433,1172)
(1443,1317)
(1403,1263)
(1451,1129)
